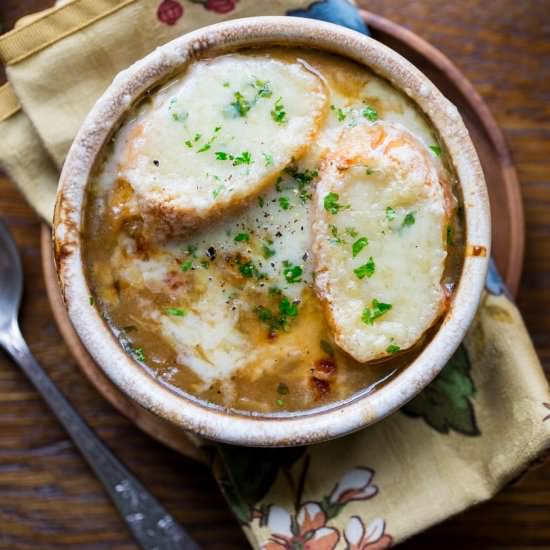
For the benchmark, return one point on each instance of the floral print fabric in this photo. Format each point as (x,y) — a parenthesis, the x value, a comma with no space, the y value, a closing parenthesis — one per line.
(312,528)
(483,420)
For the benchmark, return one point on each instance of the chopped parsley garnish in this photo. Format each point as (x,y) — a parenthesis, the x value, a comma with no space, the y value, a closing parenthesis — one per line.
(244,158)
(436,149)
(284,203)
(186,266)
(450,240)
(288,308)
(197,137)
(390,213)
(292,273)
(180,117)
(304,196)
(208,144)
(264,314)
(261,202)
(91,300)
(189,144)
(366,270)
(369,171)
(278,114)
(303,179)
(370,113)
(278,321)
(239,107)
(205,264)
(191,249)
(268,159)
(218,190)
(267,252)
(331,204)
(358,245)
(376,310)
(263,87)
(176,311)
(351,232)
(334,232)
(226,84)
(340,113)
(248,270)
(139,354)
(408,220)
(327,348)
(242,237)
(282,389)
(274,291)
(280,403)
(278,187)
(393,348)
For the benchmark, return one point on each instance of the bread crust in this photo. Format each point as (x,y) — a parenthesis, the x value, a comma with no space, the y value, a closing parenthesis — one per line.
(177,195)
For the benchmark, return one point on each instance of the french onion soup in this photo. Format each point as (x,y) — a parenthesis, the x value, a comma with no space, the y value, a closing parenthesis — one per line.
(273,230)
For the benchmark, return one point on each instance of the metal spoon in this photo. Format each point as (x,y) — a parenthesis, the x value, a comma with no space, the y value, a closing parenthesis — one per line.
(152,527)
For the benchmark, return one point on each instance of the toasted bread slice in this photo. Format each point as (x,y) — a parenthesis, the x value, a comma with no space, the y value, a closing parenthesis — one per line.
(218,136)
(379,239)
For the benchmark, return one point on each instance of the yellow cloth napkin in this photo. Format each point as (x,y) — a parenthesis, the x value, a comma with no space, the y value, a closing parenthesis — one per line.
(480,424)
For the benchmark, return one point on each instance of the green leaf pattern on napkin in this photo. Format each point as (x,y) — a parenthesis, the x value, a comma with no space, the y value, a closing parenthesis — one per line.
(249,473)
(446,403)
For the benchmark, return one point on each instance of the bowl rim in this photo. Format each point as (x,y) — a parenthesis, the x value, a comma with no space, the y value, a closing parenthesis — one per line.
(252,429)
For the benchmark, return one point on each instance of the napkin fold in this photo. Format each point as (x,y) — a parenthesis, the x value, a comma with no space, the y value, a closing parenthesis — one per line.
(480,424)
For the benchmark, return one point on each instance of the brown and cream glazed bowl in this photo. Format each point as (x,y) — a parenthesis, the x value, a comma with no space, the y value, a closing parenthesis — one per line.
(327,418)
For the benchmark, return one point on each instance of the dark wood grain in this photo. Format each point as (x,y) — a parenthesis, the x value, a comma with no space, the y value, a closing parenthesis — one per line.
(48,497)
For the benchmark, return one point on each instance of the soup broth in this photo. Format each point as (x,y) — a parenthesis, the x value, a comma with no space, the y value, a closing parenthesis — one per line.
(227,312)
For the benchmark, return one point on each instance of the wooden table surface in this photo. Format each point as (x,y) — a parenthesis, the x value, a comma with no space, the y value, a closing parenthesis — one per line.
(49,499)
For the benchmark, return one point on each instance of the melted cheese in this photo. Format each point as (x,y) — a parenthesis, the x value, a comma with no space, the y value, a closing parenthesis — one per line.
(219,135)
(207,339)
(268,236)
(379,240)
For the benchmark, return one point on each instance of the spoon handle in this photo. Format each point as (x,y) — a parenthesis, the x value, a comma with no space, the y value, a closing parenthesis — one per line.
(150,524)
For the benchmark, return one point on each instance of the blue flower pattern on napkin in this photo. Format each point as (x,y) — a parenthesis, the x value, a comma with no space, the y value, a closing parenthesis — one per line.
(340,12)
(494,283)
